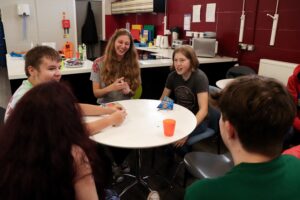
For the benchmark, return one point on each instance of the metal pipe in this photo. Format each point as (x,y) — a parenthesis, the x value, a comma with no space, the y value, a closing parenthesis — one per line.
(242,23)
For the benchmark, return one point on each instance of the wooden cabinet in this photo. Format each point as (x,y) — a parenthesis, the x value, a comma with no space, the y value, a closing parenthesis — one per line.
(137,6)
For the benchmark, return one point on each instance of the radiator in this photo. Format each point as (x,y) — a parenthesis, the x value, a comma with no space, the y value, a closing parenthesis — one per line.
(276,69)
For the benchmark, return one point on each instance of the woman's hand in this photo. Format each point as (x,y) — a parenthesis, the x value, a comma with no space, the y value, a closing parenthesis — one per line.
(119,84)
(126,89)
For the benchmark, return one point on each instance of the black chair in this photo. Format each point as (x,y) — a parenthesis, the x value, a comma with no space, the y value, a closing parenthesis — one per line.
(207,165)
(212,129)
(237,71)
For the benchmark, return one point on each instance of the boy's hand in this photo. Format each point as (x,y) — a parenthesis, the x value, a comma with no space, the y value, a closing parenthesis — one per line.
(117,117)
(114,106)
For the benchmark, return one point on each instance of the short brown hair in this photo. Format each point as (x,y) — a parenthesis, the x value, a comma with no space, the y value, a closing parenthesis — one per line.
(35,55)
(261,111)
(189,53)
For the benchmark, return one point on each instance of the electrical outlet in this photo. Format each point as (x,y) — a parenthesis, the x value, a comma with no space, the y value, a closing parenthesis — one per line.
(246,47)
(250,47)
(243,46)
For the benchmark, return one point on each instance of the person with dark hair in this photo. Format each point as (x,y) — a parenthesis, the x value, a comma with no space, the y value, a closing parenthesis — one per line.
(42,64)
(293,87)
(116,76)
(46,152)
(190,87)
(257,112)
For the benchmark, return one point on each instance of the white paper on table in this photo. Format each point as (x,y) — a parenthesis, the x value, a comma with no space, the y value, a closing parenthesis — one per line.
(210,12)
(187,22)
(196,13)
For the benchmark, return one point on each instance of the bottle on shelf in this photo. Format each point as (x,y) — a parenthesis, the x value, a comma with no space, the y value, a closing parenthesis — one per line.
(80,52)
(84,57)
(127,26)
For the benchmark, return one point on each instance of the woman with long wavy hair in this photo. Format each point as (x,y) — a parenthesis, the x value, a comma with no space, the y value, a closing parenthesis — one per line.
(46,152)
(116,76)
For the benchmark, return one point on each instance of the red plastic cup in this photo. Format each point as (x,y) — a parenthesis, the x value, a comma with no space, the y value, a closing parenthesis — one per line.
(169,127)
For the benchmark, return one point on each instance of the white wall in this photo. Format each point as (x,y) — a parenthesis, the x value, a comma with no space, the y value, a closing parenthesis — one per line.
(43,24)
(107,6)
(279,70)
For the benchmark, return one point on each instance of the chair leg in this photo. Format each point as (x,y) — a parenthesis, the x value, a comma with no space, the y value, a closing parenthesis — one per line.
(185,176)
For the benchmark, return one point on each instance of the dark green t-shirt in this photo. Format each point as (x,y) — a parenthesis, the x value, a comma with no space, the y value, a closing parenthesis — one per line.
(275,180)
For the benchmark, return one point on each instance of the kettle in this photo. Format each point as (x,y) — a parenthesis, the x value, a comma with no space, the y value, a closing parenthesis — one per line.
(158,40)
(164,43)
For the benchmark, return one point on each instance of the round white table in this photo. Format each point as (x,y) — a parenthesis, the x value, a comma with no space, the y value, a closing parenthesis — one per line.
(223,82)
(143,128)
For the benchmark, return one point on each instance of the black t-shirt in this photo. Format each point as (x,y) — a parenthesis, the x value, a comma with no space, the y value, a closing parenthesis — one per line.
(185,91)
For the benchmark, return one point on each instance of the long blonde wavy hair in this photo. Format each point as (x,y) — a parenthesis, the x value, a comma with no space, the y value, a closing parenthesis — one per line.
(128,67)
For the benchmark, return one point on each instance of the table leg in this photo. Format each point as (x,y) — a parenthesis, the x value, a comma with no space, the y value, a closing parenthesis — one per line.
(138,178)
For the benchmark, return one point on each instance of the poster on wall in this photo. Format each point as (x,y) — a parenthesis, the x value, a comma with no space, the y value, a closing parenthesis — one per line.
(210,12)
(196,13)
(187,22)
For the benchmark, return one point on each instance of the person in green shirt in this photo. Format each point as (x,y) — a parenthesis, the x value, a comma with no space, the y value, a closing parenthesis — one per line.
(257,112)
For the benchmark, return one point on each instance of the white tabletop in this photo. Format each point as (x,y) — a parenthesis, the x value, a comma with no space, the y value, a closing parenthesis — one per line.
(16,68)
(143,126)
(223,82)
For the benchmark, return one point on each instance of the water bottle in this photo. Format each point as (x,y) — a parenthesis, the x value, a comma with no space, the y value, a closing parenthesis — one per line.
(84,52)
(128,26)
(62,64)
(80,52)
